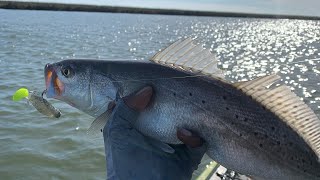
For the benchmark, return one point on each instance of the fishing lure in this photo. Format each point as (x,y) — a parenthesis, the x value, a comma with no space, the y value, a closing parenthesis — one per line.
(37,101)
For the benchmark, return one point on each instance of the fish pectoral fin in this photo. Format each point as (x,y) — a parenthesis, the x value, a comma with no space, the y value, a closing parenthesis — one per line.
(98,124)
(161,146)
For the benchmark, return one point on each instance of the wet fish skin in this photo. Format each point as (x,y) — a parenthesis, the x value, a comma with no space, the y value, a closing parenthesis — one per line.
(241,134)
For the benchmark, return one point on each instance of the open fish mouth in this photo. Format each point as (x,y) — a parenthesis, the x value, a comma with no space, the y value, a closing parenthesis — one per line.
(54,87)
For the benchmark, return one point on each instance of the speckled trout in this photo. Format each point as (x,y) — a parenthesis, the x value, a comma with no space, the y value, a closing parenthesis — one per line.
(255,127)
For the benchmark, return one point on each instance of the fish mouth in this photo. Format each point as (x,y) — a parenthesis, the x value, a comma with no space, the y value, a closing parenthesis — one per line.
(54,86)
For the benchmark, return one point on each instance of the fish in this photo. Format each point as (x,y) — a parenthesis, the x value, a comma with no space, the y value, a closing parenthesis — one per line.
(258,127)
(42,105)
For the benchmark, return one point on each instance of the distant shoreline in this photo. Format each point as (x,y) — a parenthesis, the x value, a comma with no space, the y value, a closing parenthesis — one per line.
(134,10)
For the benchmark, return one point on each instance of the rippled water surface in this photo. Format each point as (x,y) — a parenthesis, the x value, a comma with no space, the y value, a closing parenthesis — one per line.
(37,147)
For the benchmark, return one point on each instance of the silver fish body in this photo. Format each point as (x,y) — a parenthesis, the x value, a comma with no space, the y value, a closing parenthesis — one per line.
(42,105)
(241,133)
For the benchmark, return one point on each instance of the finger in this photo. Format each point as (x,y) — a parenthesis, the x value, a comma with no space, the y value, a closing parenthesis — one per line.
(189,138)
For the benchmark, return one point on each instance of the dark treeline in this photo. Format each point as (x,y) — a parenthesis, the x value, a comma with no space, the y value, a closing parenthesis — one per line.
(116,9)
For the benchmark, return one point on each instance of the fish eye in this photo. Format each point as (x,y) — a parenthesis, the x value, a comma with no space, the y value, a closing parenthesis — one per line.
(66,72)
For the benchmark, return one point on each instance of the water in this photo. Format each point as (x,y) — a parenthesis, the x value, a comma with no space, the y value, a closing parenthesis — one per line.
(36,147)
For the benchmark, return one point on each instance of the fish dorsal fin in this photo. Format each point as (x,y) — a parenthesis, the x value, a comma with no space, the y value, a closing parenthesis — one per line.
(287,106)
(187,56)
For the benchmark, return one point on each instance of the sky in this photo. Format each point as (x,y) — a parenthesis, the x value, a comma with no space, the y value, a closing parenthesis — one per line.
(288,7)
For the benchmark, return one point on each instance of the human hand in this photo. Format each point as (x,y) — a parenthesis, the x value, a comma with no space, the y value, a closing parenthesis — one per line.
(140,100)
(125,146)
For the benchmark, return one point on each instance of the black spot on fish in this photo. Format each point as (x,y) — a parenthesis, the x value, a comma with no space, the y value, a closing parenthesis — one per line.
(245,119)
(278,142)
(240,135)
(255,133)
(190,94)
(203,101)
(304,170)
(260,145)
(273,128)
(224,97)
(237,116)
(101,130)
(174,94)
(227,108)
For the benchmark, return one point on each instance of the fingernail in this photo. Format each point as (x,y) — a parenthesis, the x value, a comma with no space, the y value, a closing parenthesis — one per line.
(185,132)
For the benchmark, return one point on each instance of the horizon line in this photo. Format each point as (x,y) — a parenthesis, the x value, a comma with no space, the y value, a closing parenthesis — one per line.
(52,6)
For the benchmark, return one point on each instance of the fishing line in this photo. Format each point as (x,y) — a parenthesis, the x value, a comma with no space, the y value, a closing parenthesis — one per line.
(151,79)
(202,75)
(192,76)
(316,59)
